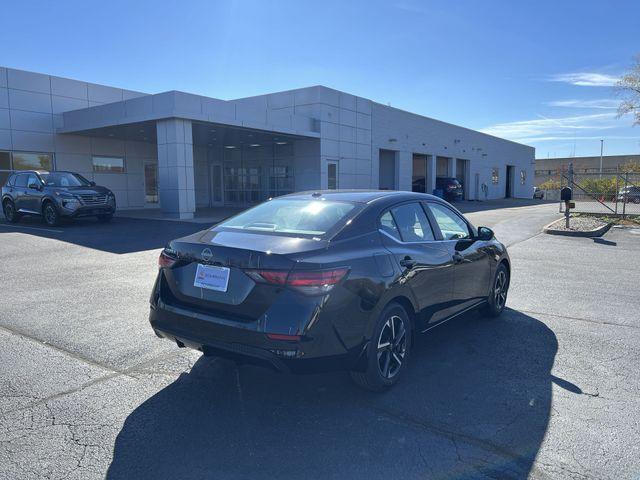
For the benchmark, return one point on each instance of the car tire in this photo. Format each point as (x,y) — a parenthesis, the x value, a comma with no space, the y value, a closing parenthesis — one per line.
(105,218)
(498,296)
(388,350)
(50,214)
(9,210)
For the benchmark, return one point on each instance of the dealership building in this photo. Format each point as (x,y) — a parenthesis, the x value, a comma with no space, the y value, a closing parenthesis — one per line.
(178,151)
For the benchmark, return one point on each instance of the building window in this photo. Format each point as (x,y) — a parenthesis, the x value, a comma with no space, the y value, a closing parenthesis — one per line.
(108,164)
(32,161)
(332,175)
(495,176)
(5,167)
(523,177)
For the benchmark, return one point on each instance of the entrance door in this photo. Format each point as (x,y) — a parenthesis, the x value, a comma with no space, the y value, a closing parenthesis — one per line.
(215,175)
(332,175)
(151,184)
(387,170)
(509,182)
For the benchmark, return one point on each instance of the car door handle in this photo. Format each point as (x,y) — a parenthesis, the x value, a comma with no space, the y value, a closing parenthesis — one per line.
(407,262)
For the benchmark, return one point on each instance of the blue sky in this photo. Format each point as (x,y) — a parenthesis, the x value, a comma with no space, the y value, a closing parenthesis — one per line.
(539,73)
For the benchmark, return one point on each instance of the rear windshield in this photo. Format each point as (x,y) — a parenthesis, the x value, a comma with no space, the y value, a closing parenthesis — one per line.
(301,217)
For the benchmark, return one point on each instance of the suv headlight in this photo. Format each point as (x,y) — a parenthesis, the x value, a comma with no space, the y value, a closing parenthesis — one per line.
(111,198)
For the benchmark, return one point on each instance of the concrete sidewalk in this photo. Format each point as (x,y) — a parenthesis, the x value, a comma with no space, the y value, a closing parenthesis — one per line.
(209,215)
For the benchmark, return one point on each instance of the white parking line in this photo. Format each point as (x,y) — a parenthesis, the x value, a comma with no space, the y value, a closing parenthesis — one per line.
(32,228)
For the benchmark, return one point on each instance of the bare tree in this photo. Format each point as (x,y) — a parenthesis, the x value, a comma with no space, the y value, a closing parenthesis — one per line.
(628,88)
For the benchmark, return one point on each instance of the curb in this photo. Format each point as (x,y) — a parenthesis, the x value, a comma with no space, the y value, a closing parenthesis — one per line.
(598,232)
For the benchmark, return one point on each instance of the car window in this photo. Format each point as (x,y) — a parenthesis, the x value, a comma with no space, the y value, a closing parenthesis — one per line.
(31,179)
(451,225)
(21,180)
(388,225)
(412,223)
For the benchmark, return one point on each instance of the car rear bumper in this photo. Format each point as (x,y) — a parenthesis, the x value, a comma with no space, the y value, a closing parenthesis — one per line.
(216,337)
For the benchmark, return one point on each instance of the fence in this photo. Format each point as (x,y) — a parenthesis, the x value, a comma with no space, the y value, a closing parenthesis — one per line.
(604,193)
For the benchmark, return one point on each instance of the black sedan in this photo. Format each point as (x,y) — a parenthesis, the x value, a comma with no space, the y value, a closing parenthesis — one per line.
(328,280)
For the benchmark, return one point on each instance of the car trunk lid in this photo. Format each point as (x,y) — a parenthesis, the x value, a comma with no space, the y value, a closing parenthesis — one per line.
(244,299)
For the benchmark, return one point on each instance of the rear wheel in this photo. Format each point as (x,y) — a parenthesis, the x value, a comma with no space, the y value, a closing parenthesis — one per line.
(105,218)
(388,350)
(50,214)
(498,295)
(10,212)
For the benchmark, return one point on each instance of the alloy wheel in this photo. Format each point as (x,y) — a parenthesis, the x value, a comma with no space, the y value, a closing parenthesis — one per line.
(50,215)
(8,211)
(392,346)
(500,290)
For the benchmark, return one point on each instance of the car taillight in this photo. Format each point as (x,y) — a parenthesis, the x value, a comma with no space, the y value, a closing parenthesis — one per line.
(310,282)
(166,259)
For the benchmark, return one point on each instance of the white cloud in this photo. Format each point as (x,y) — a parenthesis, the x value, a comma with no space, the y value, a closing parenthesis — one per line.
(546,128)
(592,137)
(603,103)
(585,79)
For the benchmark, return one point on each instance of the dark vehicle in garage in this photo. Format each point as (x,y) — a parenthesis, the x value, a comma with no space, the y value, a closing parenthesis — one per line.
(55,195)
(328,280)
(452,189)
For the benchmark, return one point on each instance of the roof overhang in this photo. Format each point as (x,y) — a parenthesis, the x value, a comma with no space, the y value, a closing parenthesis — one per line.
(148,109)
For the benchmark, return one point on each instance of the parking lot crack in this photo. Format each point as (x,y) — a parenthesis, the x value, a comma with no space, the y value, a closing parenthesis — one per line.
(57,348)
(420,424)
(581,319)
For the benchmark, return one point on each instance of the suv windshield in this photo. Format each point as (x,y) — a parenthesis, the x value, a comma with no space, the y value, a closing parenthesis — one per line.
(303,217)
(64,179)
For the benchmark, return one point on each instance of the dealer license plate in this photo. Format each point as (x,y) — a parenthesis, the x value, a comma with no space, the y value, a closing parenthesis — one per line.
(212,277)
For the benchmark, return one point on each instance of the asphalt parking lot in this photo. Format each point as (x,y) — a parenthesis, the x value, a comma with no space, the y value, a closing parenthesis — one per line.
(548,390)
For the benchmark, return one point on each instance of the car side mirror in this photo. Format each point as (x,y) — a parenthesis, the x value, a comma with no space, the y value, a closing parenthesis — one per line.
(34,186)
(92,184)
(485,233)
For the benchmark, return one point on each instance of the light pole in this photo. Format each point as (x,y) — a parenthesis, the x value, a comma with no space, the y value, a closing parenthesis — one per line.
(601,149)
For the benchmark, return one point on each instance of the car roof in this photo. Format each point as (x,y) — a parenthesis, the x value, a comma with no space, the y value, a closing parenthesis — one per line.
(40,172)
(359,196)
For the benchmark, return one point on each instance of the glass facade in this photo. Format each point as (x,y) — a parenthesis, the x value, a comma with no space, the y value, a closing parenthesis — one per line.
(254,173)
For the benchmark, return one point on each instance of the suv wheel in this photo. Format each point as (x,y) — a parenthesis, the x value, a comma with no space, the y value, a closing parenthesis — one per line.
(50,214)
(388,350)
(498,295)
(10,212)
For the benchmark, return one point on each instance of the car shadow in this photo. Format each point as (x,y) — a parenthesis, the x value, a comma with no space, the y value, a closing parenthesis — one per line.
(475,403)
(121,235)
